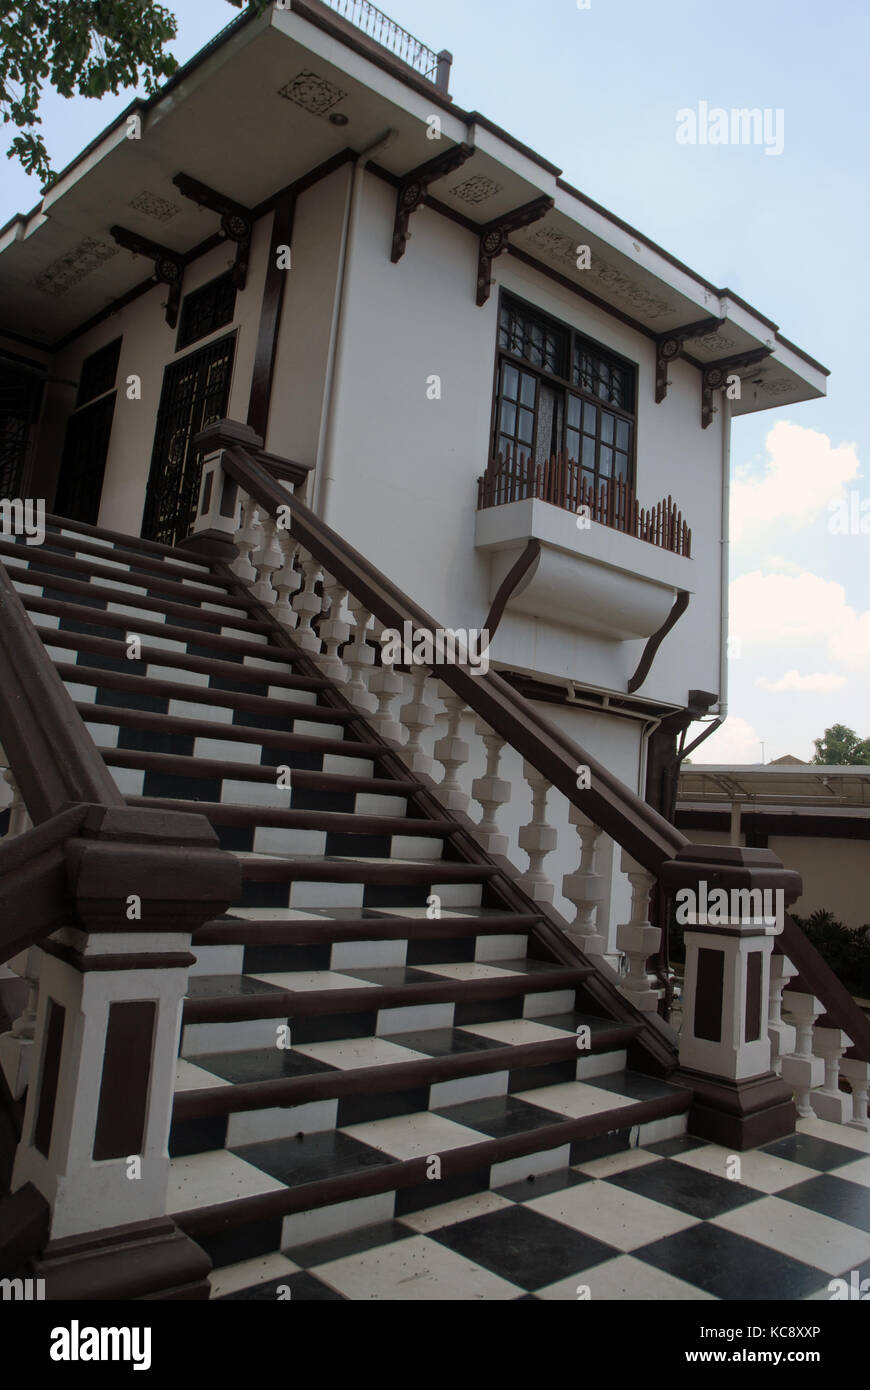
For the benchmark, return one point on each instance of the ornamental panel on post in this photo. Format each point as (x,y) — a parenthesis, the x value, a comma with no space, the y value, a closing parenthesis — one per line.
(725,1047)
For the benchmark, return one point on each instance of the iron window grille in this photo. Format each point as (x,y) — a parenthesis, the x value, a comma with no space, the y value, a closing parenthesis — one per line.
(98,373)
(559,393)
(206,310)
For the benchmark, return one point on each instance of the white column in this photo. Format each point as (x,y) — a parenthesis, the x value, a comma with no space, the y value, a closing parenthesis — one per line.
(638,939)
(829,1102)
(857,1073)
(801,1069)
(585,887)
(537,838)
(246,540)
(452,751)
(360,659)
(308,604)
(781,1034)
(491,791)
(417,716)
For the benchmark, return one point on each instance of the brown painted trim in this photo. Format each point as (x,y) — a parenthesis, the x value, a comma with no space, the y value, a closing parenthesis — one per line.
(680,604)
(25,1217)
(34,892)
(759,822)
(261,1095)
(148,1260)
(509,584)
(238,931)
(260,398)
(52,1051)
(123,1103)
(825,985)
(412,1172)
(286,1003)
(52,755)
(567,284)
(139,960)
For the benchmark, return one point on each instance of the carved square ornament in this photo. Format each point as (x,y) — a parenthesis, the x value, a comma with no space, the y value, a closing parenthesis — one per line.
(314,94)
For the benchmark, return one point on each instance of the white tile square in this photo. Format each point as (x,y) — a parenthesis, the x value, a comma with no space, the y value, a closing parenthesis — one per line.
(805,1235)
(609,1213)
(624,1280)
(209,1179)
(248,1273)
(450,1213)
(417,1135)
(575,1099)
(416,1269)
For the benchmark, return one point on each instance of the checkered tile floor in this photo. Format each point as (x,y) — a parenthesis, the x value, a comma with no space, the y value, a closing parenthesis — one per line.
(661,1222)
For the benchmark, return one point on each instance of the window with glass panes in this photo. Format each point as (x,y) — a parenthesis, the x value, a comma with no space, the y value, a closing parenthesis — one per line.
(556,390)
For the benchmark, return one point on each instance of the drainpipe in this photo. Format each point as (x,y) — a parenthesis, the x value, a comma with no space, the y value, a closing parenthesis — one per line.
(325,461)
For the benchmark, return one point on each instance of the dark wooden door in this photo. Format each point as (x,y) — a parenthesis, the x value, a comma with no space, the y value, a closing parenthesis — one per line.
(85,450)
(195,393)
(20,395)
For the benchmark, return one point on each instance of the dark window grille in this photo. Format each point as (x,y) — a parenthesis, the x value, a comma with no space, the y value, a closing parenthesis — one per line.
(195,393)
(99,372)
(541,410)
(20,397)
(206,310)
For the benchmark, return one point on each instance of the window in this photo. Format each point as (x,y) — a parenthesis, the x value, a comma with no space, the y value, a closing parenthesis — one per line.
(99,372)
(206,310)
(558,391)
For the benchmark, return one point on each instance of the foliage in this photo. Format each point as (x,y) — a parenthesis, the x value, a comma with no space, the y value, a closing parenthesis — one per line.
(846,950)
(841,745)
(80,48)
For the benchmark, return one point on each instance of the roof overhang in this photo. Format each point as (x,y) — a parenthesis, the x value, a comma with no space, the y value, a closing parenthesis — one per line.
(250,115)
(774,787)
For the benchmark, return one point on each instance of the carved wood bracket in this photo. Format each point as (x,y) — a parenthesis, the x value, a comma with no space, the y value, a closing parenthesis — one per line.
(715,374)
(168,266)
(414,187)
(237,223)
(494,240)
(670,345)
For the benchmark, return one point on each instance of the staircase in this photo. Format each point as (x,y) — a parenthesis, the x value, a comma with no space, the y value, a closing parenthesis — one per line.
(383,1022)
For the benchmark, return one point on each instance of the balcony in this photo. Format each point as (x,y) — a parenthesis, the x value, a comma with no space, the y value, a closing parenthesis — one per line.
(559,481)
(434,67)
(586,571)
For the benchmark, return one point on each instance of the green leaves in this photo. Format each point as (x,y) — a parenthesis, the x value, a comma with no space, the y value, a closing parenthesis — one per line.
(841,745)
(80,48)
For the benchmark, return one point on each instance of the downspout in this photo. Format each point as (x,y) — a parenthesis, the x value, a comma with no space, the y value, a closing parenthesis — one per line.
(325,460)
(724,549)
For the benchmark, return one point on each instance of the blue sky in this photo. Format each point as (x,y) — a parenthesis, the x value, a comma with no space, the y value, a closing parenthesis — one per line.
(597,91)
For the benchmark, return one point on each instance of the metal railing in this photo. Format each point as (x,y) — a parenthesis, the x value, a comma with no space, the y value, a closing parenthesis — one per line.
(435,67)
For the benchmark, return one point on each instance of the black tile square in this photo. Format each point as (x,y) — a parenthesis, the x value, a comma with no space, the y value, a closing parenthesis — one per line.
(260,1064)
(499,1116)
(633,1084)
(313,1158)
(303,1287)
(812,1152)
(320,1252)
(542,1184)
(688,1189)
(679,1144)
(443,1042)
(586,1150)
(524,1247)
(729,1266)
(844,1201)
(363,1109)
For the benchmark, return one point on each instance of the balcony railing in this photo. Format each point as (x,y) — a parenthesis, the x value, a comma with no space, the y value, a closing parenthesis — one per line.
(561,482)
(435,67)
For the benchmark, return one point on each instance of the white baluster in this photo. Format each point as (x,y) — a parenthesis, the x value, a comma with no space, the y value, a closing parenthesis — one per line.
(246,541)
(585,887)
(360,659)
(452,751)
(308,605)
(537,838)
(781,1034)
(266,559)
(17,1046)
(287,581)
(830,1103)
(19,820)
(801,1069)
(491,791)
(388,685)
(639,939)
(417,716)
(335,628)
(857,1073)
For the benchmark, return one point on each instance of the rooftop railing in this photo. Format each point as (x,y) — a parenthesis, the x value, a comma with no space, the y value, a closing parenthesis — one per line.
(435,67)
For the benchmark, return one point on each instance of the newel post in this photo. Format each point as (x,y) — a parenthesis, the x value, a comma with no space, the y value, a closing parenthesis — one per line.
(112,984)
(731,903)
(217,516)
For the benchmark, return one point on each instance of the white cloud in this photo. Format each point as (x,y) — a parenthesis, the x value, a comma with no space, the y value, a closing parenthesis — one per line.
(735,742)
(793,680)
(786,609)
(803,473)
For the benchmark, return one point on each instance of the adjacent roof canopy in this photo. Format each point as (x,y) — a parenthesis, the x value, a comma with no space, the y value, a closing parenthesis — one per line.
(775,786)
(251,113)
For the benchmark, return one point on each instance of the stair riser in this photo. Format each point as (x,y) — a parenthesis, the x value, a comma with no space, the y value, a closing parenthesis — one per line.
(344,955)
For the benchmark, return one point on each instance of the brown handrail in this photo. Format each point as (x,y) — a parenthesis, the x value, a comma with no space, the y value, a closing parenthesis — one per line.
(646,835)
(824,984)
(55,761)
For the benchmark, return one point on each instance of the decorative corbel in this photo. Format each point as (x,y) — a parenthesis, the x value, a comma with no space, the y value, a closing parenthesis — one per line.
(670,345)
(494,239)
(715,374)
(414,187)
(168,266)
(237,222)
